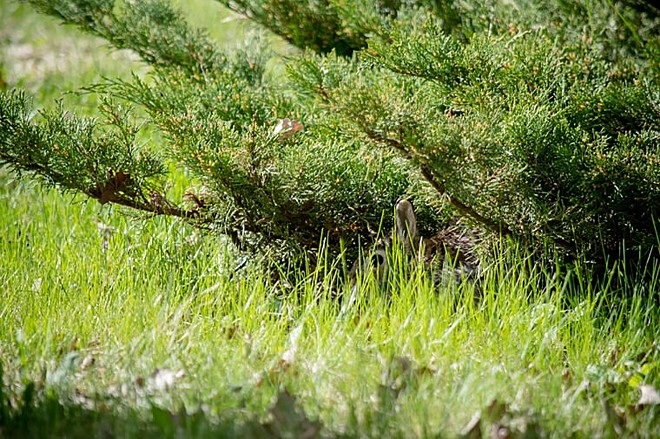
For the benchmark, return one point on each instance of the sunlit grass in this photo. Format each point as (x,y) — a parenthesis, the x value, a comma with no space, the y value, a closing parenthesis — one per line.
(90,321)
(145,326)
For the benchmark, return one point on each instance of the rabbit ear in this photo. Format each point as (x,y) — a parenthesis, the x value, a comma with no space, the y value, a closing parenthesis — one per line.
(406,225)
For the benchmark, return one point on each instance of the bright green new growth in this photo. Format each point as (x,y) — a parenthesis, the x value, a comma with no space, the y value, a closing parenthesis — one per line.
(531,125)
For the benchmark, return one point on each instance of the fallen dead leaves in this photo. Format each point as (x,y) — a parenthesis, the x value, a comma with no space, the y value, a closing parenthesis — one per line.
(284,364)
(649,396)
(161,379)
(500,421)
(285,419)
(401,375)
(286,128)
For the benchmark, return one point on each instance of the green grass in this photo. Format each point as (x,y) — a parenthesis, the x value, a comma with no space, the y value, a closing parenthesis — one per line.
(90,327)
(125,326)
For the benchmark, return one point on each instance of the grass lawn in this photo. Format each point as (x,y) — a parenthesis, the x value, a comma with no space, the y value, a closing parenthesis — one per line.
(116,325)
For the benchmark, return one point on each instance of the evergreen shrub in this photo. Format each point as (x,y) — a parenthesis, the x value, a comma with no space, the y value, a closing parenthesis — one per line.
(531,119)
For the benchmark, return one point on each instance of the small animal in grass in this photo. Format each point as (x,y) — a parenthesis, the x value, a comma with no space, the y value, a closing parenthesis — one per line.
(450,254)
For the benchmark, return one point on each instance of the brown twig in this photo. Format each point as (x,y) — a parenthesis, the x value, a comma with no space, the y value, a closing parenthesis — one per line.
(167,209)
(463,208)
(460,206)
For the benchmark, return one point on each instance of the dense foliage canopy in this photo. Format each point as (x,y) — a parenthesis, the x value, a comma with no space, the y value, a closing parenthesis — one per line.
(533,119)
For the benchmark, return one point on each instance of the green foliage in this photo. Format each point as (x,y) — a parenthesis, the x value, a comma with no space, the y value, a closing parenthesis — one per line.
(218,117)
(537,120)
(527,137)
(77,154)
(309,24)
(112,326)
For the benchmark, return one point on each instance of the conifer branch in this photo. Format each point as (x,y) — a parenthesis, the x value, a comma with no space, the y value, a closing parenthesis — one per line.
(461,207)
(425,169)
(541,134)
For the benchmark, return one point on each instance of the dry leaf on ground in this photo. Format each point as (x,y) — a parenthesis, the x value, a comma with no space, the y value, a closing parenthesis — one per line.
(164,379)
(649,396)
